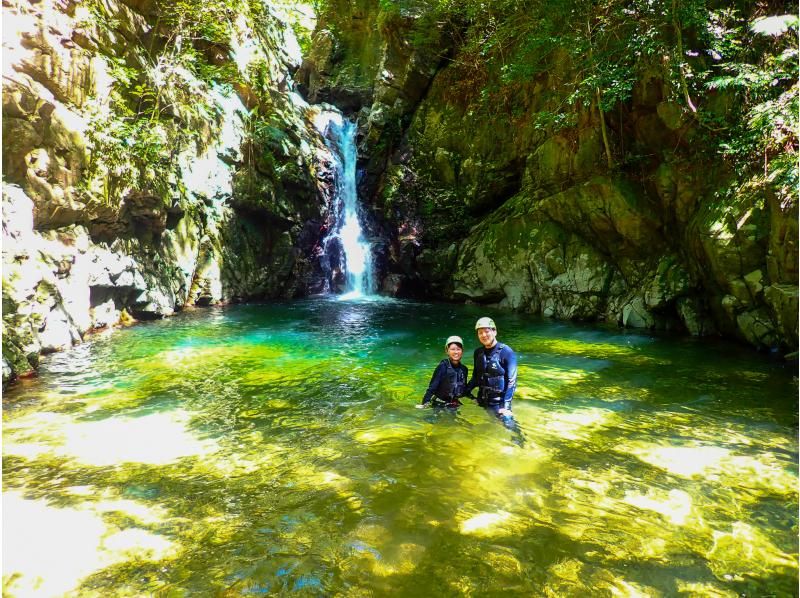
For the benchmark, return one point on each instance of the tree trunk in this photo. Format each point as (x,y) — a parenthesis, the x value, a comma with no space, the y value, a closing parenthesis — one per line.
(604,131)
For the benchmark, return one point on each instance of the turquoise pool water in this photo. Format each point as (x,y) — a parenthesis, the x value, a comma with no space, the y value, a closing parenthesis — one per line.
(275,449)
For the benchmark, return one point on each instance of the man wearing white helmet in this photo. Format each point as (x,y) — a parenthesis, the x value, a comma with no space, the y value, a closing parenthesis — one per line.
(495,371)
(449,380)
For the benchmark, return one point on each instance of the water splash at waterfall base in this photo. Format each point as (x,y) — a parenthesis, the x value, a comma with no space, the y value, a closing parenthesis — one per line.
(346,239)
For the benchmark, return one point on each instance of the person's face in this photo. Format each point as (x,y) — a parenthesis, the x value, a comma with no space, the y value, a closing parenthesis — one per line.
(454,352)
(487,336)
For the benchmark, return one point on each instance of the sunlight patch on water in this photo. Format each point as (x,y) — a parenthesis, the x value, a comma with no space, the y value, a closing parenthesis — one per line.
(387,433)
(48,550)
(695,588)
(571,577)
(155,439)
(333,479)
(714,463)
(745,551)
(325,452)
(311,479)
(261,376)
(584,499)
(573,425)
(402,560)
(627,352)
(542,382)
(135,543)
(243,461)
(627,589)
(638,535)
(629,526)
(503,563)
(763,471)
(597,486)
(704,428)
(113,399)
(682,461)
(676,506)
(142,513)
(486,524)
(276,403)
(199,356)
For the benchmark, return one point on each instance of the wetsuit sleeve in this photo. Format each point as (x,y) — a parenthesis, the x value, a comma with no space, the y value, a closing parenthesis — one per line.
(467,391)
(510,366)
(475,381)
(436,379)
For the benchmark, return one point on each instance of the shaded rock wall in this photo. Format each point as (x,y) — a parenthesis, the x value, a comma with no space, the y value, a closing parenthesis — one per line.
(96,231)
(363,59)
(478,201)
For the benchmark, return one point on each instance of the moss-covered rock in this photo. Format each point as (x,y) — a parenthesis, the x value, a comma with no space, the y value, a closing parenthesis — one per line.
(555,210)
(127,178)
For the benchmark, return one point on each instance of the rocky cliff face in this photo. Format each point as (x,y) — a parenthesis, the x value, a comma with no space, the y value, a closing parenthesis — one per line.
(134,186)
(148,168)
(480,202)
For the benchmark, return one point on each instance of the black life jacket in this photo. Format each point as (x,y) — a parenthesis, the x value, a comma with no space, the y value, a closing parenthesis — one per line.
(454,383)
(493,375)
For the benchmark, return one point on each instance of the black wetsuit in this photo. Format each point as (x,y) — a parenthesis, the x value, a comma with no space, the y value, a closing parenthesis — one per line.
(447,384)
(495,375)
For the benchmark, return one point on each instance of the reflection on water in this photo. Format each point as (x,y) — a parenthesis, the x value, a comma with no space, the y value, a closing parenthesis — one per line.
(275,449)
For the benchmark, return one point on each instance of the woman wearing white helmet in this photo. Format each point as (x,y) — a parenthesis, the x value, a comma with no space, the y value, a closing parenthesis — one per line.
(495,370)
(449,380)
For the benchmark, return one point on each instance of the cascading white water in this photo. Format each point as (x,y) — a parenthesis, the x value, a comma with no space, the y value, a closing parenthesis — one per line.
(340,134)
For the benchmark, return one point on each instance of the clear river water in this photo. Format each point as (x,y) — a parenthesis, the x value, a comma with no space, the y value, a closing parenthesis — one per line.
(275,450)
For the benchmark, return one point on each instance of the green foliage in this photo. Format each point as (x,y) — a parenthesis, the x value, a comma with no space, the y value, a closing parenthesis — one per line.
(764,76)
(444,213)
(554,121)
(207,20)
(270,154)
(132,152)
(587,55)
(160,103)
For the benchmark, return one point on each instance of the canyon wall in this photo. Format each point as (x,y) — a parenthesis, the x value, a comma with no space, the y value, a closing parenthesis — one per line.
(149,168)
(630,215)
(157,158)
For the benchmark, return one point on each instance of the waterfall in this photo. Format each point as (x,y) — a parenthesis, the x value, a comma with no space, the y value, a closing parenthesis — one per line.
(345,239)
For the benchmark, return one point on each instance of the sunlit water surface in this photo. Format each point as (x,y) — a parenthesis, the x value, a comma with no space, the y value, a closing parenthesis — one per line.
(273,449)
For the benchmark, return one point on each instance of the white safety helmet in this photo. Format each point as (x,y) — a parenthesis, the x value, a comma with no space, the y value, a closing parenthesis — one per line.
(485,323)
(453,339)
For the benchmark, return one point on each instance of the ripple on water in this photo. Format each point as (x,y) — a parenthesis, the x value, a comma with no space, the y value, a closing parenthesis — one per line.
(270,449)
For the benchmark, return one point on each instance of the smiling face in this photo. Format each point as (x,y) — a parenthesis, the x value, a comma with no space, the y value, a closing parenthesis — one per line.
(487,337)
(454,352)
